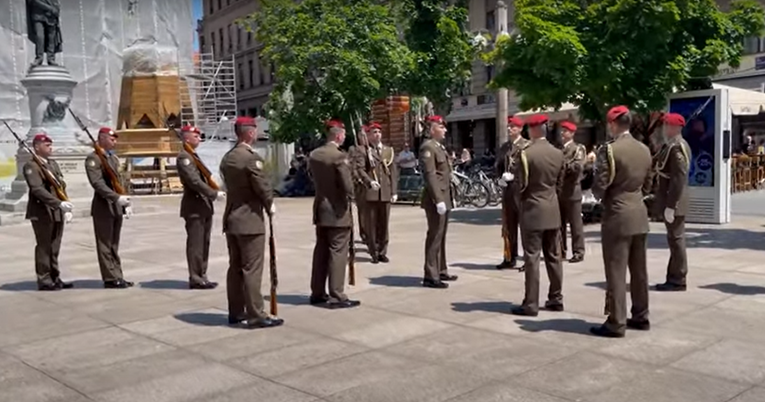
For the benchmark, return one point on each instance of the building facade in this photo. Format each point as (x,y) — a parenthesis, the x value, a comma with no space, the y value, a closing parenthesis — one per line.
(220,36)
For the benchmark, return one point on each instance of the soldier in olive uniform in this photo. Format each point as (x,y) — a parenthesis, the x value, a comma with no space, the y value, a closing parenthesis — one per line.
(511,212)
(107,209)
(570,195)
(623,176)
(196,209)
(249,198)
(47,212)
(358,152)
(380,178)
(672,199)
(539,173)
(331,171)
(437,202)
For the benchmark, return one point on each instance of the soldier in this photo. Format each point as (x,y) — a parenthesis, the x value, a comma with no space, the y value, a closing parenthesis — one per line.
(570,195)
(358,152)
(196,209)
(539,173)
(672,198)
(331,172)
(107,209)
(623,176)
(380,178)
(437,202)
(510,197)
(47,212)
(249,197)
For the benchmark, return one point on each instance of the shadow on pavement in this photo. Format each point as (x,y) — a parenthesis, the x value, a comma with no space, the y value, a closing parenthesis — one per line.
(292,300)
(26,286)
(164,284)
(566,325)
(397,281)
(735,289)
(488,306)
(714,238)
(474,266)
(484,216)
(203,319)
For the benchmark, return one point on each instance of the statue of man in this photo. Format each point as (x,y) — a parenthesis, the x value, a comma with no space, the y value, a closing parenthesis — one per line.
(43,29)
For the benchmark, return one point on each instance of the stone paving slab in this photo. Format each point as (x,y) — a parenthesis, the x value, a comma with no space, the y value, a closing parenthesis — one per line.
(162,342)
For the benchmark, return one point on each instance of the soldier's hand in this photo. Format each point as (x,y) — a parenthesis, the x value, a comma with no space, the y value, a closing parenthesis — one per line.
(507,177)
(375,185)
(68,216)
(669,215)
(123,201)
(221,195)
(394,198)
(128,212)
(66,206)
(441,208)
(272,210)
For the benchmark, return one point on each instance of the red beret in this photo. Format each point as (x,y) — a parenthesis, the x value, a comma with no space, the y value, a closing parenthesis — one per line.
(375,125)
(674,119)
(108,131)
(514,121)
(334,123)
(435,119)
(41,138)
(615,112)
(189,129)
(567,125)
(245,121)
(537,120)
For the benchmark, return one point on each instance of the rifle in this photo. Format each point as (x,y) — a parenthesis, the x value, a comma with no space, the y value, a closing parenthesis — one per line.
(113,178)
(272,263)
(197,162)
(351,247)
(58,188)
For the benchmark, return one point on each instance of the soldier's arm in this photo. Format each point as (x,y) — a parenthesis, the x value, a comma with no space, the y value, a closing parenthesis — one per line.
(96,178)
(191,178)
(602,174)
(561,176)
(343,169)
(499,162)
(394,176)
(36,184)
(678,175)
(428,163)
(359,163)
(521,171)
(260,182)
(575,166)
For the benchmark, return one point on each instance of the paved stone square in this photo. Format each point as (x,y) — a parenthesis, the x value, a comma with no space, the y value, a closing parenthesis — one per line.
(160,342)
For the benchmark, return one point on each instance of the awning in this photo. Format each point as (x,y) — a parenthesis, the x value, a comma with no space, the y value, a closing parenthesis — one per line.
(567,111)
(480,112)
(743,102)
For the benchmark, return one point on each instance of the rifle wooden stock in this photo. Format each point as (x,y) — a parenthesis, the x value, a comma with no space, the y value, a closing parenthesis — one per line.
(113,178)
(197,162)
(49,177)
(272,266)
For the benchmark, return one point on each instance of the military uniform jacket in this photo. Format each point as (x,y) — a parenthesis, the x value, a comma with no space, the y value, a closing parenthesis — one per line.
(104,197)
(574,157)
(330,169)
(377,164)
(539,173)
(673,164)
(354,153)
(622,178)
(198,196)
(508,154)
(437,174)
(249,193)
(43,201)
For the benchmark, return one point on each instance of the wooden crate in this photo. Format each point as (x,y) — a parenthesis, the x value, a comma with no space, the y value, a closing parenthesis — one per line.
(145,101)
(147,142)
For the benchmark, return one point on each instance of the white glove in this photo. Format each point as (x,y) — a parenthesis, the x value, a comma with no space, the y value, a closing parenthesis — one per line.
(441,208)
(272,211)
(123,201)
(502,183)
(394,198)
(669,215)
(375,185)
(507,177)
(68,217)
(128,212)
(221,195)
(66,206)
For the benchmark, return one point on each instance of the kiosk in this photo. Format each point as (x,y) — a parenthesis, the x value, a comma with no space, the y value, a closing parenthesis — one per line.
(708,120)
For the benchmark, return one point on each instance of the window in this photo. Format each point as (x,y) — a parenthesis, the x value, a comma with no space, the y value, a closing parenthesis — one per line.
(212,6)
(220,5)
(220,34)
(253,112)
(202,43)
(240,75)
(251,73)
(491,21)
(239,38)
(751,45)
(228,2)
(261,76)
(249,37)
(230,39)
(212,43)
(489,73)
(242,113)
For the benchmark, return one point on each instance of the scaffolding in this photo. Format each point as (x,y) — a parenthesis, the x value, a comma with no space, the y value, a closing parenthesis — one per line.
(208,94)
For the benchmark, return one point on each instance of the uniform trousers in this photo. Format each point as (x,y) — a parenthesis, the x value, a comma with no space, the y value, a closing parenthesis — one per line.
(546,242)
(48,234)
(198,230)
(108,230)
(330,259)
(246,254)
(621,253)
(435,243)
(677,268)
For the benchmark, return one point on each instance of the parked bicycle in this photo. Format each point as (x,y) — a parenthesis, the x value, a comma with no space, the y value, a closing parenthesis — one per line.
(468,191)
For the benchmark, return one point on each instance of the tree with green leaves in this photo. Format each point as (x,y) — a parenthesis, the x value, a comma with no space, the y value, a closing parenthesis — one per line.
(596,54)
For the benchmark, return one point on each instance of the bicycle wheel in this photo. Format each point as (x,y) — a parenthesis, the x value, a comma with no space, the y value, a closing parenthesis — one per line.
(495,193)
(479,194)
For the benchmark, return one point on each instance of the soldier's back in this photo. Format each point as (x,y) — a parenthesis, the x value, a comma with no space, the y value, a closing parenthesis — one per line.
(541,210)
(624,210)
(244,202)
(330,169)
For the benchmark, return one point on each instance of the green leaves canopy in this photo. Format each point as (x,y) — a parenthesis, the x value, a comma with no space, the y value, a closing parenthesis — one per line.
(633,52)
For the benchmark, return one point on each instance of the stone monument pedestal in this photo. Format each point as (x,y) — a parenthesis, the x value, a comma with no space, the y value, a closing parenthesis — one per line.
(49,89)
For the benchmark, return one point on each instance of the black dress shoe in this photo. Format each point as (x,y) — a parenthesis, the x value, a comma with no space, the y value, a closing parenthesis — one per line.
(553,306)
(431,283)
(505,264)
(264,323)
(605,332)
(375,259)
(640,325)
(524,311)
(48,288)
(118,284)
(64,285)
(343,304)
(576,258)
(318,300)
(383,259)
(447,277)
(204,285)
(238,319)
(670,287)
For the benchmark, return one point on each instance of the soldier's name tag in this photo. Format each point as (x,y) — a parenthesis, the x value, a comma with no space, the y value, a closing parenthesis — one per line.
(185,162)
(426,154)
(258,164)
